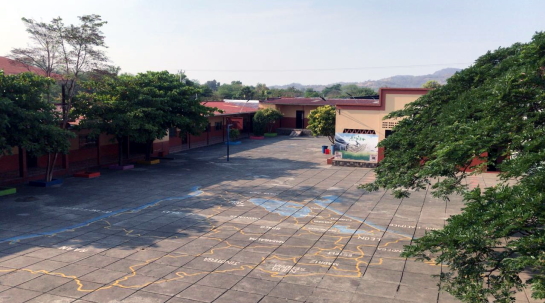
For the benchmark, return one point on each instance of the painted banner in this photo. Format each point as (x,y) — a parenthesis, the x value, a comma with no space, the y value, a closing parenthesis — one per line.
(361,147)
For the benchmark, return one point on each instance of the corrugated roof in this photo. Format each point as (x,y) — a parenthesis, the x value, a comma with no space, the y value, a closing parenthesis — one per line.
(230,108)
(319,101)
(12,67)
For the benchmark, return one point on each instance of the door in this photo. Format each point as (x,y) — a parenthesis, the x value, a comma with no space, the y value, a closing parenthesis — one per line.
(299,116)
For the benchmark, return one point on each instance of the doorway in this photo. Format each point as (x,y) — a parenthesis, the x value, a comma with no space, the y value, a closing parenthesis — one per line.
(299,116)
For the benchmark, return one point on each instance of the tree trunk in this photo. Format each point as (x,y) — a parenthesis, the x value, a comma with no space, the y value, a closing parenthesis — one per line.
(50,167)
(120,151)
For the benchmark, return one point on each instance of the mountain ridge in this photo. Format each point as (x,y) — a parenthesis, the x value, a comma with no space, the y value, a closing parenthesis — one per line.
(394,81)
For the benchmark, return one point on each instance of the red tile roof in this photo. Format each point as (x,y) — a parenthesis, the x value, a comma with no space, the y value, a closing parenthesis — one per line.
(12,67)
(229,108)
(320,102)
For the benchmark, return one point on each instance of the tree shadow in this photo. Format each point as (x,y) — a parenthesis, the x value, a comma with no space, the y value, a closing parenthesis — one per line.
(137,209)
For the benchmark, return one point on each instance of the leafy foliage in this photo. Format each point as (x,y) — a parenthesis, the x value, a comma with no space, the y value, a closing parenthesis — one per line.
(27,120)
(352,90)
(70,50)
(321,122)
(431,84)
(267,117)
(495,105)
(259,124)
(234,133)
(311,93)
(143,107)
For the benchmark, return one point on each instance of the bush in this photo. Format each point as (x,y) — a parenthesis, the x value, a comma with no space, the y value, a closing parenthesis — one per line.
(234,133)
(259,124)
(268,116)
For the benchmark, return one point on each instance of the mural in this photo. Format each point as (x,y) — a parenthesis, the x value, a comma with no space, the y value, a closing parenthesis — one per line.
(361,147)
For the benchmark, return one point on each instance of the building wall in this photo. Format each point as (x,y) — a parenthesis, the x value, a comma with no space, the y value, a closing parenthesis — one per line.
(371,118)
(290,114)
(88,154)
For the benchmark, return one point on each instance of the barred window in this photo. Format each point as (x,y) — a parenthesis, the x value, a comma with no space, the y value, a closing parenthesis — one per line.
(359,131)
(389,124)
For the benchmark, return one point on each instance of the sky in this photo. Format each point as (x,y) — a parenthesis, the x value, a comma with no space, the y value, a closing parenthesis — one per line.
(290,41)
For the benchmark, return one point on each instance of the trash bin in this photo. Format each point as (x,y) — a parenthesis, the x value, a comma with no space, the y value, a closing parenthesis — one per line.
(324,147)
(332,149)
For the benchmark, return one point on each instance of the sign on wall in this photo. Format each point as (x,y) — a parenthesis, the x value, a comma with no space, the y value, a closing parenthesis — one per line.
(361,147)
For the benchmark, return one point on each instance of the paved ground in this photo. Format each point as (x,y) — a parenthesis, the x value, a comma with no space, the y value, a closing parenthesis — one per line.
(273,225)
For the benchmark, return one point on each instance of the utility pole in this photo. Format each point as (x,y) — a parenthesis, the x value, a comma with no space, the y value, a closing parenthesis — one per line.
(228,140)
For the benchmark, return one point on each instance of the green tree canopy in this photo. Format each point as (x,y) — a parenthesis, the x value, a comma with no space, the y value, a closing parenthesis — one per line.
(497,104)
(270,116)
(431,84)
(144,107)
(352,90)
(28,120)
(230,91)
(321,122)
(311,93)
(332,91)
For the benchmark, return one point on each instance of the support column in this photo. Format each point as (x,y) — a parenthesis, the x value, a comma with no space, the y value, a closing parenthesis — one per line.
(23,169)
(98,150)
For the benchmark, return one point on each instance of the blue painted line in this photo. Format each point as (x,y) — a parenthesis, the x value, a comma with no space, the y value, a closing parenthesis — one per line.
(329,199)
(195,192)
(282,208)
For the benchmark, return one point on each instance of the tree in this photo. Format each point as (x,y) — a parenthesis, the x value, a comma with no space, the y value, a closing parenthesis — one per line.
(259,124)
(269,116)
(496,104)
(311,93)
(230,91)
(246,93)
(261,91)
(431,84)
(213,85)
(352,90)
(332,91)
(28,120)
(144,107)
(321,122)
(70,50)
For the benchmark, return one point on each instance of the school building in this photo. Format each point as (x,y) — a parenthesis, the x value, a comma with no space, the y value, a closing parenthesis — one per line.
(88,152)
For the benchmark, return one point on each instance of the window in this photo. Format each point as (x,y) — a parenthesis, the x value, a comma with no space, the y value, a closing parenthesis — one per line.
(389,124)
(85,141)
(219,125)
(359,131)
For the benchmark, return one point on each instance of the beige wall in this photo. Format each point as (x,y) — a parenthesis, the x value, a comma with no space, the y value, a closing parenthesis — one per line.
(372,119)
(289,111)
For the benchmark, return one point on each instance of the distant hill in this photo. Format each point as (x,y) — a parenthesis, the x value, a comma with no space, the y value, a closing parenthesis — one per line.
(395,81)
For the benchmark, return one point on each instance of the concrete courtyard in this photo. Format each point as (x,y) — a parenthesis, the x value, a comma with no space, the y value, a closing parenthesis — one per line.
(274,224)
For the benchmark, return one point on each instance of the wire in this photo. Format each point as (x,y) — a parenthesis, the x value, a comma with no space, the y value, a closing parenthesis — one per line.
(321,69)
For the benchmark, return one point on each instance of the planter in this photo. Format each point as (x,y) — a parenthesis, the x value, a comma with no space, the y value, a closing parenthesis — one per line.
(87,174)
(150,162)
(257,137)
(4,191)
(271,134)
(330,160)
(121,167)
(233,143)
(43,183)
